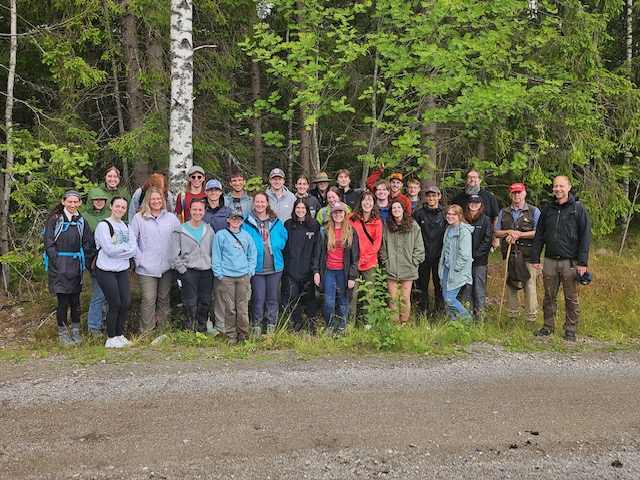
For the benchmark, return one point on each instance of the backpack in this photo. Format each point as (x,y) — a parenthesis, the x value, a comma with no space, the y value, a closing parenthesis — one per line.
(111,233)
(63,226)
(517,272)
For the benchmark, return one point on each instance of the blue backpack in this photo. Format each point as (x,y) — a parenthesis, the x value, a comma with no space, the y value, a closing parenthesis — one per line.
(63,226)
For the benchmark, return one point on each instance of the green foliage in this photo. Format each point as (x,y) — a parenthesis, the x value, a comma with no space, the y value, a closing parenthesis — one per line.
(382,333)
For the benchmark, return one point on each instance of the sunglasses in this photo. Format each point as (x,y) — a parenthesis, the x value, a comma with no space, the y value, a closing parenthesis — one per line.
(197,177)
(198,200)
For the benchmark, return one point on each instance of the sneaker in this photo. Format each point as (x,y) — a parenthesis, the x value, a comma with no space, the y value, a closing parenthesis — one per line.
(271,329)
(123,340)
(65,339)
(113,342)
(543,332)
(569,336)
(76,336)
(256,331)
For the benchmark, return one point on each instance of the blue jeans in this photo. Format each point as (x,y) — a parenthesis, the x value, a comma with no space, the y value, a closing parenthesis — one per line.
(264,298)
(454,308)
(334,292)
(94,319)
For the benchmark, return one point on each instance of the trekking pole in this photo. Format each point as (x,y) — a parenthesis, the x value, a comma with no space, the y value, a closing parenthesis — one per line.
(504,285)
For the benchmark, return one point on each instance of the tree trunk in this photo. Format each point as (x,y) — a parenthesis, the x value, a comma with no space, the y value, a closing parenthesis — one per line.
(8,166)
(156,64)
(305,161)
(256,123)
(629,38)
(135,102)
(181,124)
(429,133)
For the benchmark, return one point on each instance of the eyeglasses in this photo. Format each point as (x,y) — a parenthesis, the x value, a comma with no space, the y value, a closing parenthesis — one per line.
(197,177)
(451,215)
(198,200)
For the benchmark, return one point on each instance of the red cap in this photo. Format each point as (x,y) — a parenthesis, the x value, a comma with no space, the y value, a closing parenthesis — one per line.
(517,187)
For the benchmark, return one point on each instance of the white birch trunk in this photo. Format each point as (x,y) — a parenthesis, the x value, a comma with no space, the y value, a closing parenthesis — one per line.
(8,166)
(181,128)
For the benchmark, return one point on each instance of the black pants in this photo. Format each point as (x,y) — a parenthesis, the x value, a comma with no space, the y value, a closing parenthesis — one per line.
(301,293)
(66,301)
(117,291)
(428,270)
(197,288)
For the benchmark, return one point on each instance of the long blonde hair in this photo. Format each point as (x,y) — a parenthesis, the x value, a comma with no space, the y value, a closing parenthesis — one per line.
(145,210)
(347,233)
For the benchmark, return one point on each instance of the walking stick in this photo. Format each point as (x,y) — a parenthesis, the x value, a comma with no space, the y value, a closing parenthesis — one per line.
(504,285)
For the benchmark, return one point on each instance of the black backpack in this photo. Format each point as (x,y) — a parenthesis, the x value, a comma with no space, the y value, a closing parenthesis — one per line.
(517,272)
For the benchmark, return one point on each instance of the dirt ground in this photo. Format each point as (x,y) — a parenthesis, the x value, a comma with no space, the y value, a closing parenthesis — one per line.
(493,414)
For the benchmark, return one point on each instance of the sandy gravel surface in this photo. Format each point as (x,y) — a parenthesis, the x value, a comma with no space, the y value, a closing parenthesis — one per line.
(490,415)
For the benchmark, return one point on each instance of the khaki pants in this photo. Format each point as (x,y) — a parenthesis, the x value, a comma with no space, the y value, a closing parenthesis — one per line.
(555,272)
(218,307)
(154,304)
(530,297)
(236,293)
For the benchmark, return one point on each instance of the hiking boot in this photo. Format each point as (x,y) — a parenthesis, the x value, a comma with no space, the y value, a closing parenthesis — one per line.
(543,332)
(232,342)
(256,331)
(341,332)
(271,329)
(65,339)
(76,336)
(569,336)
(95,332)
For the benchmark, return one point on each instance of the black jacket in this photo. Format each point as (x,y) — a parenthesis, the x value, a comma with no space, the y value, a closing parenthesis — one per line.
(432,224)
(565,231)
(350,258)
(481,240)
(302,245)
(491,207)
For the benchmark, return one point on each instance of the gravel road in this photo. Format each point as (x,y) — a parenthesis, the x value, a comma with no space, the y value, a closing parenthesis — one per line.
(492,414)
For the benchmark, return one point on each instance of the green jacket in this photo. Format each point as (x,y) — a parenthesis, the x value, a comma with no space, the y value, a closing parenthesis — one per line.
(402,253)
(460,258)
(120,191)
(90,214)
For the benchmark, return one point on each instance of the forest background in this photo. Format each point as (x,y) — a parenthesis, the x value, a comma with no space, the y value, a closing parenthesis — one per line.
(522,90)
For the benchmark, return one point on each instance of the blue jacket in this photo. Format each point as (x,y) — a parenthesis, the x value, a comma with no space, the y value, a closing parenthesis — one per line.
(231,257)
(277,235)
(460,258)
(217,220)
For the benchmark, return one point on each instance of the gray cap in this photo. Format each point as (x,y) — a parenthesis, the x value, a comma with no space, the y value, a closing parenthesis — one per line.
(235,213)
(432,189)
(276,172)
(195,169)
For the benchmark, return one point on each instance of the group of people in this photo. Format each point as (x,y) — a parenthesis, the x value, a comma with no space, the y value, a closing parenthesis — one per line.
(236,258)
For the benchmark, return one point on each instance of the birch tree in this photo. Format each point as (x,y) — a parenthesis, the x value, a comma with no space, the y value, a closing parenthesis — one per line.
(181,124)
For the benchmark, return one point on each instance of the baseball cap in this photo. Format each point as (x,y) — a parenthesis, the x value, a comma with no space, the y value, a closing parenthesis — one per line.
(213,183)
(71,193)
(432,189)
(474,198)
(235,213)
(276,172)
(338,207)
(195,169)
(584,279)
(396,176)
(517,187)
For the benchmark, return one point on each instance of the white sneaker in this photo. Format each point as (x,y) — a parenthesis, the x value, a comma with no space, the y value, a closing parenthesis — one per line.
(113,342)
(123,340)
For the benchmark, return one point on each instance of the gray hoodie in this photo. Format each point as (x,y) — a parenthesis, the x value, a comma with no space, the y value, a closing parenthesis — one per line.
(187,253)
(283,206)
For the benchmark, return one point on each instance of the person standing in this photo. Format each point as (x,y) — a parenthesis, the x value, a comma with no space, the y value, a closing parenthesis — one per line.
(303,235)
(335,268)
(116,246)
(320,191)
(349,196)
(95,212)
(302,191)
(456,262)
(333,197)
(473,187)
(238,198)
(481,238)
(111,187)
(69,248)
(564,231)
(516,226)
(395,186)
(234,258)
(367,223)
(191,257)
(401,254)
(194,189)
(280,198)
(270,237)
(152,227)
(154,180)
(413,193)
(382,192)
(430,218)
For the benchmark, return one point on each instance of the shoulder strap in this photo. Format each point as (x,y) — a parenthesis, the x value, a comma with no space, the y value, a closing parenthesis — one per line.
(364,228)
(237,239)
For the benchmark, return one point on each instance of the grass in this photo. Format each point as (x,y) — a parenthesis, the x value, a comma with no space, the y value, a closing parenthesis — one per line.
(610,321)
